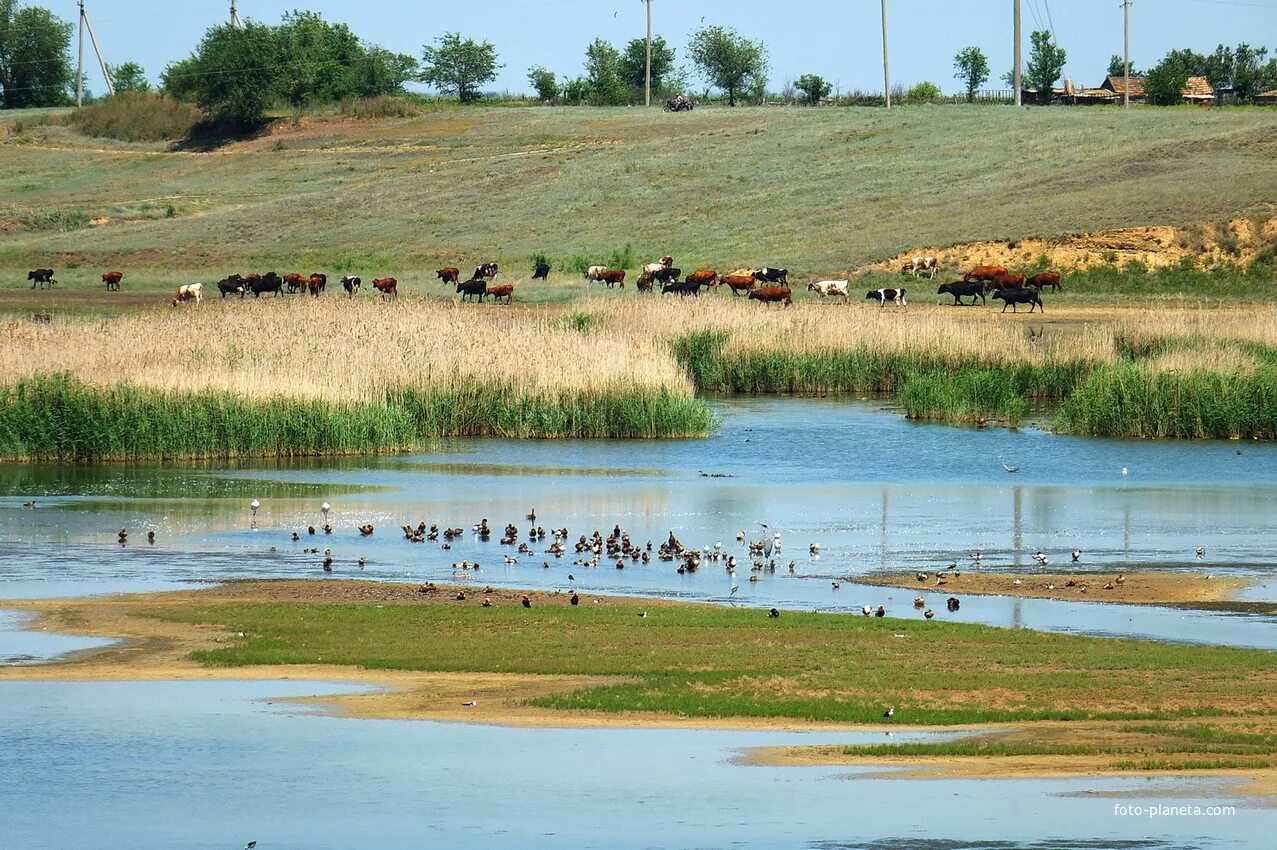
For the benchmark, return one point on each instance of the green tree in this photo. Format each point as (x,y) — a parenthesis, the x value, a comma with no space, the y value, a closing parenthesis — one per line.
(634,66)
(1117,67)
(459,66)
(1046,63)
(971,66)
(380,71)
(812,88)
(35,66)
(603,75)
(544,84)
(128,76)
(1248,71)
(729,61)
(1164,83)
(317,59)
(228,77)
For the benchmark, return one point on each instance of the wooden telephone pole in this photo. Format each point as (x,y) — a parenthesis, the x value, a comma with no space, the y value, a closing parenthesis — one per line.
(886,68)
(1126,53)
(79,71)
(647,88)
(1019,60)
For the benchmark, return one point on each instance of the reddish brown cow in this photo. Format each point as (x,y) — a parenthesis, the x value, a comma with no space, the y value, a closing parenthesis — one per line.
(112,280)
(738,283)
(316,284)
(1051,279)
(294,281)
(611,277)
(984,273)
(503,290)
(772,295)
(1005,281)
(449,274)
(703,277)
(387,286)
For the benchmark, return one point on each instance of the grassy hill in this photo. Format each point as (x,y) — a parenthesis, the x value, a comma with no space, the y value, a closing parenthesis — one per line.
(818,191)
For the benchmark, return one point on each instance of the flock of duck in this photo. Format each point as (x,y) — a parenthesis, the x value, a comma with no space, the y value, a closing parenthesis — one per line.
(618,549)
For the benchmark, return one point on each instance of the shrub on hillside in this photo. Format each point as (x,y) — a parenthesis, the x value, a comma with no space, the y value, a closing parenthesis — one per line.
(923,92)
(382,106)
(137,117)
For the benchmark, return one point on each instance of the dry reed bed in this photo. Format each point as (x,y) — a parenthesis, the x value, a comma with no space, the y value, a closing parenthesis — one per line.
(340,351)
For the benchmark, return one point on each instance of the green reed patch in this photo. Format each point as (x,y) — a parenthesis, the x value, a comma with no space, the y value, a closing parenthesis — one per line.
(59,418)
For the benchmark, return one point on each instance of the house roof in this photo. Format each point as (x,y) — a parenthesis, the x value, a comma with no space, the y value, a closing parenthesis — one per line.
(1268,94)
(1198,87)
(1118,84)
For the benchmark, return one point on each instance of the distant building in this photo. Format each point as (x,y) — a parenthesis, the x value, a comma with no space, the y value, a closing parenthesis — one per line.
(1268,98)
(1196,89)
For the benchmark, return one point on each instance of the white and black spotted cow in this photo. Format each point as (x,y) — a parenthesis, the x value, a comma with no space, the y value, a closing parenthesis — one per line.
(895,296)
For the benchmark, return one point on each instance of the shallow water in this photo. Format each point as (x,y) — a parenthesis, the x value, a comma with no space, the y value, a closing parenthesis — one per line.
(210,765)
(875,491)
(21,644)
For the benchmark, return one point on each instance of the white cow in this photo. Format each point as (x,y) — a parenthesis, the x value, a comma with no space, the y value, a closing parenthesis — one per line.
(593,272)
(921,265)
(827,288)
(653,268)
(189,292)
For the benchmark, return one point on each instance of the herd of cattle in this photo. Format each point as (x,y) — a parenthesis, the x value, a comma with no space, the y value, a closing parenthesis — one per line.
(768,285)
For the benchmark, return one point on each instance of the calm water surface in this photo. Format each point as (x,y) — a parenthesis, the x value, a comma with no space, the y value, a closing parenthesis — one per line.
(208,765)
(876,492)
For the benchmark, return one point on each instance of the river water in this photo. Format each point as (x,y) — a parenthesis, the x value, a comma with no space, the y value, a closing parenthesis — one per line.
(211,765)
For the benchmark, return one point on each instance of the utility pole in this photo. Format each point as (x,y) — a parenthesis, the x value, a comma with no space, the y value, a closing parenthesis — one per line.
(85,24)
(647,89)
(886,68)
(1019,98)
(1126,53)
(79,70)
(236,20)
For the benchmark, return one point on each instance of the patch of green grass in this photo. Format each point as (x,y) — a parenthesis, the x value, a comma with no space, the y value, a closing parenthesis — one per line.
(58,418)
(979,747)
(709,662)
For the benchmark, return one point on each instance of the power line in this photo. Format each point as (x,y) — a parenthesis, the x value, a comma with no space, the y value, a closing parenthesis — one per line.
(1049,22)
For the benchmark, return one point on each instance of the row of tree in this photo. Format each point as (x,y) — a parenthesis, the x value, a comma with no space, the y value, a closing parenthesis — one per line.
(236,74)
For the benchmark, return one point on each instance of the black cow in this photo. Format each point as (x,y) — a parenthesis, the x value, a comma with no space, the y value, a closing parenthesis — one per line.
(487,271)
(270,282)
(1013,297)
(958,289)
(351,285)
(474,286)
(770,275)
(233,285)
(895,296)
(667,275)
(683,289)
(43,277)
(542,271)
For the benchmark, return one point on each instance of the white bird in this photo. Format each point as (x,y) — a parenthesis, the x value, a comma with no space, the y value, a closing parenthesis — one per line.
(1201,553)
(1124,470)
(253,506)
(643,615)
(325,508)
(1010,468)
(1077,554)
(471,704)
(891,712)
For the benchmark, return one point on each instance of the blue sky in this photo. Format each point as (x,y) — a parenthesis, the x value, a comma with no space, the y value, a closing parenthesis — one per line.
(839,40)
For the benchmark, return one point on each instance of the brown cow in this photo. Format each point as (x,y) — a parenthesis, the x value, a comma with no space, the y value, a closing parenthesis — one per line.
(449,274)
(112,280)
(316,283)
(1005,281)
(387,286)
(502,290)
(984,273)
(772,294)
(645,280)
(611,277)
(739,283)
(1051,279)
(703,277)
(295,281)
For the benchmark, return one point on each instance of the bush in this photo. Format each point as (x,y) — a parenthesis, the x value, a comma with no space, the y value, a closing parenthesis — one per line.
(923,92)
(813,87)
(381,106)
(544,83)
(621,258)
(137,117)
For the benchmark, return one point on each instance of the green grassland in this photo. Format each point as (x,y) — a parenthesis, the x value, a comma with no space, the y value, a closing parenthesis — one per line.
(818,191)
(695,661)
